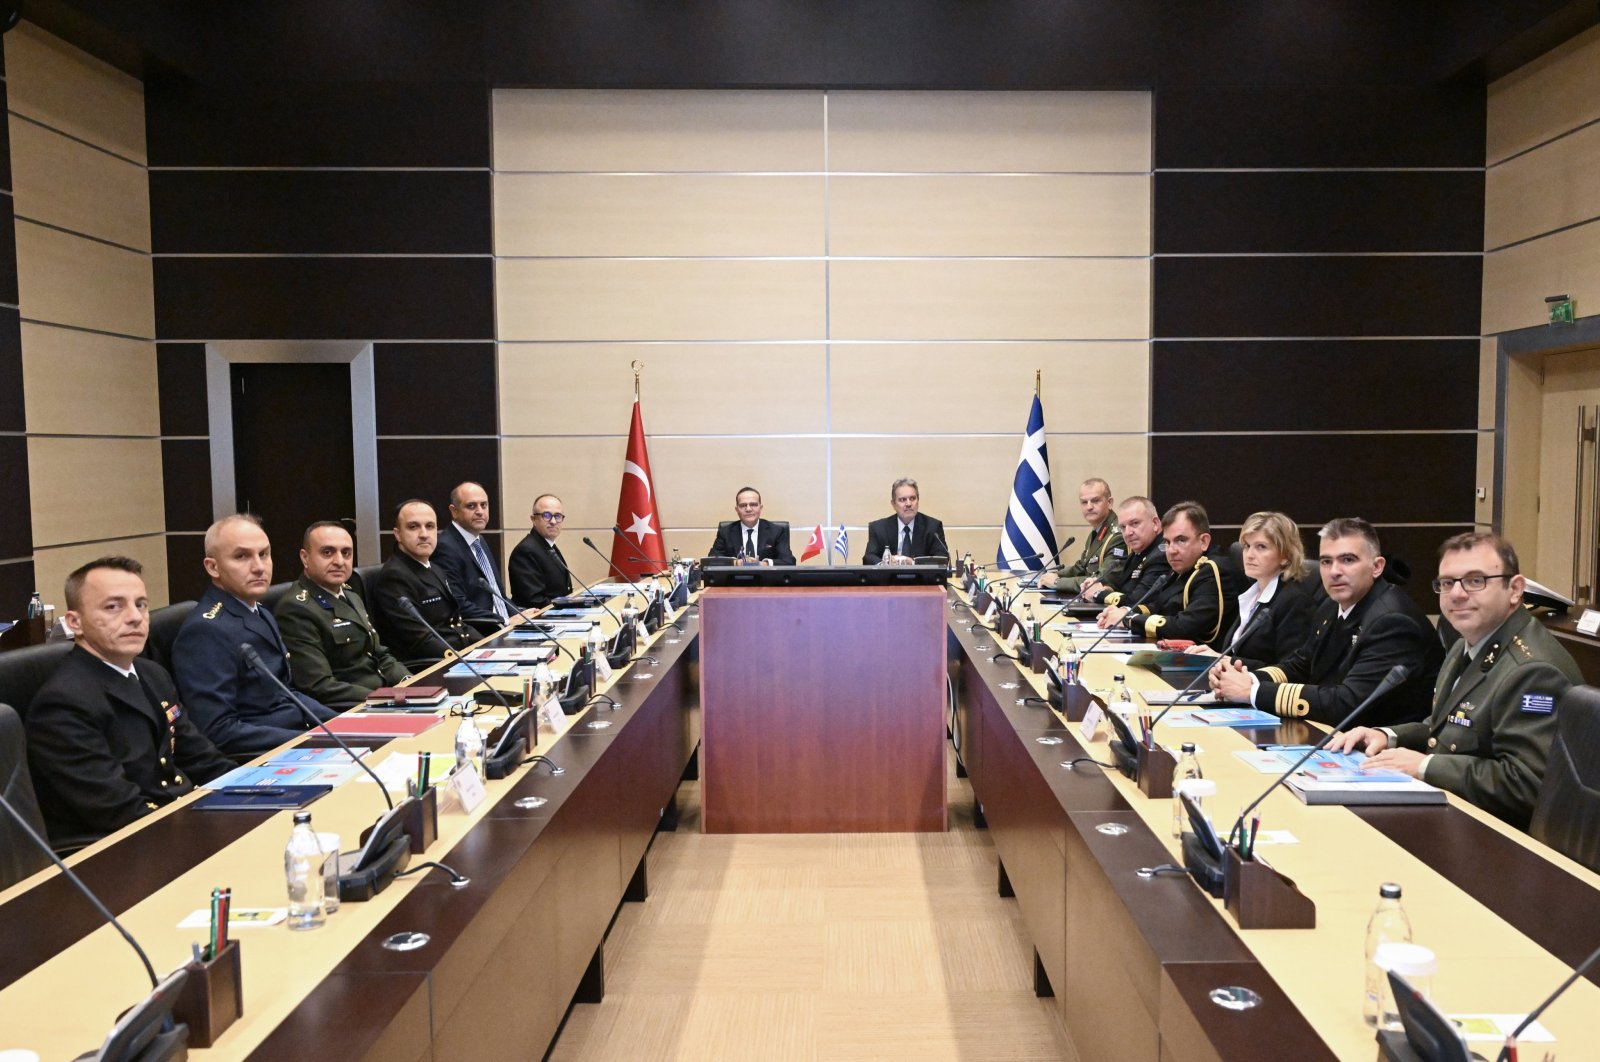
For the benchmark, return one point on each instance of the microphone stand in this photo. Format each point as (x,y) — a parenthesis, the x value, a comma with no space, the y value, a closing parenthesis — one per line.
(1206,670)
(525,615)
(451,651)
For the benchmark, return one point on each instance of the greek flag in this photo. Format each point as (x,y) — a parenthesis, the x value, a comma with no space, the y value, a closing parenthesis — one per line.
(841,545)
(1029,536)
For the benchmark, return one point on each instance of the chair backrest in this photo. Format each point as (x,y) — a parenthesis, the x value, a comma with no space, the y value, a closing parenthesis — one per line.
(361,580)
(164,624)
(1236,554)
(23,671)
(1567,817)
(274,594)
(19,856)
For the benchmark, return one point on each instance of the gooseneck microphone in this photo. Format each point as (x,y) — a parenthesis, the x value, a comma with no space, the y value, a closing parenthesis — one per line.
(587,541)
(147,1031)
(1162,580)
(1396,675)
(450,650)
(1261,610)
(569,699)
(1508,1051)
(574,577)
(253,659)
(633,554)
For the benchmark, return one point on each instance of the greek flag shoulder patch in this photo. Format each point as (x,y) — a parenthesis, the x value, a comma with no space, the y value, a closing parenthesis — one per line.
(1538,703)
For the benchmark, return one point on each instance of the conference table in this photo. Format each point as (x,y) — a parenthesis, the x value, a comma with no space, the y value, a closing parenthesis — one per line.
(1130,960)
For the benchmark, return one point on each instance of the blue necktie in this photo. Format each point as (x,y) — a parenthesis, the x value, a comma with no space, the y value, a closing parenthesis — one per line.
(487,567)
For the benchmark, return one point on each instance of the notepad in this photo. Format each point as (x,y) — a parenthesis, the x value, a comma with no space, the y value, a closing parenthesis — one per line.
(367,724)
(261,797)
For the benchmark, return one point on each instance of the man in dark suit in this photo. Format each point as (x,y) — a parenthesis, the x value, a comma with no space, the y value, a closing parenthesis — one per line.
(462,554)
(108,740)
(1493,722)
(239,709)
(538,570)
(334,651)
(751,537)
(1364,629)
(410,574)
(908,534)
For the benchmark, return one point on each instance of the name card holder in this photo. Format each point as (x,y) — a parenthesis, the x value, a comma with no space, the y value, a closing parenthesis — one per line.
(1156,767)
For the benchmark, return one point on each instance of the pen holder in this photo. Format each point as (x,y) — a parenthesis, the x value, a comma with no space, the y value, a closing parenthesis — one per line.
(982,601)
(1075,701)
(422,821)
(213,997)
(1259,897)
(1039,657)
(1156,767)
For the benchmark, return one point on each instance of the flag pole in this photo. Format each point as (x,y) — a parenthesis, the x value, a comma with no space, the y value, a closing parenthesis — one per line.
(637,367)
(1038,374)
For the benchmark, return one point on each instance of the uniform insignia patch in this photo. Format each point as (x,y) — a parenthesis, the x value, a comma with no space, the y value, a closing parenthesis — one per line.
(301,596)
(1117,552)
(211,613)
(1460,718)
(173,711)
(1538,703)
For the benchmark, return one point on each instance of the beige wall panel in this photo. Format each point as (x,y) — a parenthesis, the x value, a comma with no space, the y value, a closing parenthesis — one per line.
(1087,387)
(643,131)
(1010,214)
(51,566)
(83,383)
(72,186)
(659,299)
(1488,385)
(991,299)
(1010,132)
(1550,96)
(1544,190)
(1517,279)
(966,481)
(708,389)
(54,83)
(657,214)
(89,489)
(71,280)
(585,472)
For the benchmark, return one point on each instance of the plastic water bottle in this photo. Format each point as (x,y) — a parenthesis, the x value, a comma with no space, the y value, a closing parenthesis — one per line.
(1070,661)
(35,606)
(1032,622)
(1188,769)
(595,640)
(1120,694)
(1388,925)
(544,684)
(469,743)
(302,866)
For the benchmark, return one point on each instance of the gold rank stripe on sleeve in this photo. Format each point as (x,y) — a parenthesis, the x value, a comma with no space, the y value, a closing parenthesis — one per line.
(1288,702)
(1144,610)
(1276,674)
(1113,598)
(1152,625)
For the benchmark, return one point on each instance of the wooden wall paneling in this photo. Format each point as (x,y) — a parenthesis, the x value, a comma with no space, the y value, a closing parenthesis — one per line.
(987,387)
(695,478)
(71,185)
(1517,279)
(1548,188)
(646,131)
(688,388)
(85,383)
(13,409)
(16,584)
(682,299)
(1550,96)
(989,132)
(586,472)
(72,280)
(658,214)
(58,85)
(53,564)
(87,489)
(979,299)
(412,382)
(999,214)
(15,534)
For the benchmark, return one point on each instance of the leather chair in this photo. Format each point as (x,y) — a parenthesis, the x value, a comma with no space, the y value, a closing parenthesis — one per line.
(361,580)
(274,594)
(19,856)
(23,671)
(164,624)
(1567,817)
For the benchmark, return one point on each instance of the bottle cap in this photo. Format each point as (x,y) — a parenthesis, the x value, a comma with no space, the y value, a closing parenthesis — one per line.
(1120,678)
(1389,891)
(302,818)
(1187,746)
(1407,960)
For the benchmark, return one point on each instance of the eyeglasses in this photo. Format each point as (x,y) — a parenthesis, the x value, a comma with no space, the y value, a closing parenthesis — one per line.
(551,518)
(1471,583)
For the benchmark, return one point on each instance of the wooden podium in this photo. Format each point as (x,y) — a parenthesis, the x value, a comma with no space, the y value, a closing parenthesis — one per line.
(822,709)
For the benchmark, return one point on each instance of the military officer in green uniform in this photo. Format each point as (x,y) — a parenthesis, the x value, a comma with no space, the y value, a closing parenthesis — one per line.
(334,651)
(1493,720)
(1103,549)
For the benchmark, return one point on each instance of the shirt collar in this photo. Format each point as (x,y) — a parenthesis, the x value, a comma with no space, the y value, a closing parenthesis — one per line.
(470,536)
(125,672)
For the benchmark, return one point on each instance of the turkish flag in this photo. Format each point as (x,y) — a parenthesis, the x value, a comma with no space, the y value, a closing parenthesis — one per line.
(639,551)
(813,547)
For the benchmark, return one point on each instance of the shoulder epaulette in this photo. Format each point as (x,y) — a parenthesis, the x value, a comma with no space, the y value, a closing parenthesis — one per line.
(211,613)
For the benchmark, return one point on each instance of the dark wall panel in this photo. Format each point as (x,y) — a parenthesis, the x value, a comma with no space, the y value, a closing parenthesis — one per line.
(429,468)
(186,474)
(1388,479)
(1326,385)
(1231,212)
(181,377)
(324,298)
(8,252)
(1302,296)
(5,148)
(16,529)
(1343,126)
(389,124)
(13,417)
(16,585)
(321,212)
(435,388)
(186,578)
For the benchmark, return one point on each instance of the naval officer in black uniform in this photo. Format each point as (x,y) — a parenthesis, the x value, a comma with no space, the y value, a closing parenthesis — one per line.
(409,573)
(108,739)
(334,651)
(240,710)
